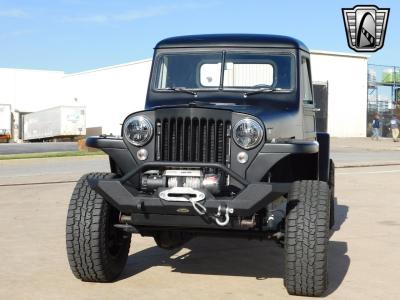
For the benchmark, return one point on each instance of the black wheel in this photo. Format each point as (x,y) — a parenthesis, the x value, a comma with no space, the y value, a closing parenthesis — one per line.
(332,196)
(306,238)
(97,251)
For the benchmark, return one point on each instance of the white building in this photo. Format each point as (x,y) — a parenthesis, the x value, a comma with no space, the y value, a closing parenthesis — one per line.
(30,90)
(110,93)
(346,75)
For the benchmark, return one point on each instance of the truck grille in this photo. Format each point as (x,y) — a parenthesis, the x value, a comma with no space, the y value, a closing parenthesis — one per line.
(193,140)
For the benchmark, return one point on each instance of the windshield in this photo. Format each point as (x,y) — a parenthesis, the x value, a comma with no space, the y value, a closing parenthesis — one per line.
(242,71)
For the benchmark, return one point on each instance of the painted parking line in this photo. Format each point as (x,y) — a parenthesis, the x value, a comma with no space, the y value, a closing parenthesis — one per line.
(37,183)
(368,172)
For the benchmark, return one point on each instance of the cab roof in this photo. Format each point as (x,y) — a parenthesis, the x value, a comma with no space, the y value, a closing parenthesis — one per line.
(231,40)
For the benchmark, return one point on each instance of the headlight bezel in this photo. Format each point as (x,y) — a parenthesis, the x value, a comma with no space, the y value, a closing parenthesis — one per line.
(260,132)
(142,119)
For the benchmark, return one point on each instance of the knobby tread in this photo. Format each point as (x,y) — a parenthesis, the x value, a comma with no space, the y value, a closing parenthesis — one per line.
(306,238)
(86,235)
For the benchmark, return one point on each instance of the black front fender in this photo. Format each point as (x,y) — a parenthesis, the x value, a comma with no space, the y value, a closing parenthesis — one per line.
(273,153)
(116,149)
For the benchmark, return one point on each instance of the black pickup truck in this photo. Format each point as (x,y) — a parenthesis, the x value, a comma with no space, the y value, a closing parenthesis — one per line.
(226,146)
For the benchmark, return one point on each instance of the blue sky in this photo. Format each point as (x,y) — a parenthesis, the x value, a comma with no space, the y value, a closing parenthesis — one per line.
(77,35)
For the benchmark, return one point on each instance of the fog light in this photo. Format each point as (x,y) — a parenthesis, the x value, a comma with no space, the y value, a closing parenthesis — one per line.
(242,157)
(142,154)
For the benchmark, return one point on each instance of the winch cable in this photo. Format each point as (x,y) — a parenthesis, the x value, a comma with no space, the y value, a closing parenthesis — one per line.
(222,212)
(198,207)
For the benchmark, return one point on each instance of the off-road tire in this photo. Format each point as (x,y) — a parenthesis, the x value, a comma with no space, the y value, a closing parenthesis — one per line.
(306,238)
(97,251)
(332,195)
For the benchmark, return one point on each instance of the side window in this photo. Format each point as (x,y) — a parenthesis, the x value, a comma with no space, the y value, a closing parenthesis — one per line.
(306,81)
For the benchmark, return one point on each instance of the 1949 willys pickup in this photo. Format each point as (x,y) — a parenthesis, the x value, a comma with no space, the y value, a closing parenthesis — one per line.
(226,146)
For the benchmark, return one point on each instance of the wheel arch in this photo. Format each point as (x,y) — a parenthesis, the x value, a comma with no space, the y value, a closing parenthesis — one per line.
(293,167)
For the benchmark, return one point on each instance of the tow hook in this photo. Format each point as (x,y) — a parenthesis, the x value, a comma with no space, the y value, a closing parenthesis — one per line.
(222,216)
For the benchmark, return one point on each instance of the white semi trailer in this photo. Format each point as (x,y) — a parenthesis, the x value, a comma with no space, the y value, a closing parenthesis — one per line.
(5,122)
(55,123)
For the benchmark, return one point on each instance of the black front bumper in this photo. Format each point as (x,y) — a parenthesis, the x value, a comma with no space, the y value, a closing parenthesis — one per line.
(151,211)
(121,194)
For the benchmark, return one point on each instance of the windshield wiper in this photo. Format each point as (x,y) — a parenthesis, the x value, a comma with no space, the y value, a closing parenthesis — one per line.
(182,90)
(259,91)
(200,103)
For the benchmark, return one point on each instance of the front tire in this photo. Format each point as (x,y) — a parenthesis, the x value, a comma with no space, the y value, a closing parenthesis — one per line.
(97,251)
(306,238)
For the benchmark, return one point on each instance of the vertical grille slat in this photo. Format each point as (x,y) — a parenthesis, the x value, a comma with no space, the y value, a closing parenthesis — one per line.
(207,144)
(192,140)
(180,130)
(219,141)
(196,141)
(185,140)
(165,140)
(212,141)
(173,139)
(158,140)
(203,140)
(215,142)
(228,145)
(223,141)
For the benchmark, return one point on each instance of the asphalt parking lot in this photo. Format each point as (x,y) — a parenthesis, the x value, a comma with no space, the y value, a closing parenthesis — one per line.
(363,258)
(14,148)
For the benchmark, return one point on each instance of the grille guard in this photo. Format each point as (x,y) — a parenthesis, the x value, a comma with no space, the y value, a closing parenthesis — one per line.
(157,164)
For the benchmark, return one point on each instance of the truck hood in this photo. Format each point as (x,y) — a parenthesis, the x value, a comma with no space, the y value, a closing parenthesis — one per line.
(266,112)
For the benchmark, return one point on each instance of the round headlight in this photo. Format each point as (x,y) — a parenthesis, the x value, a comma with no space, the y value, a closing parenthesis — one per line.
(138,130)
(248,133)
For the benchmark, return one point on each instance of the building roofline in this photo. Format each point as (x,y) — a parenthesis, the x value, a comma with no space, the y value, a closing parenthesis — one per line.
(31,70)
(345,54)
(109,67)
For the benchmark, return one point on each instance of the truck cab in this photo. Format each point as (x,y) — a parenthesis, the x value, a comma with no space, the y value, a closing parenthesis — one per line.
(226,146)
(263,75)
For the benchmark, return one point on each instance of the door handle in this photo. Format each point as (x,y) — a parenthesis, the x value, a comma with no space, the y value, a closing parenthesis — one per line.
(315,109)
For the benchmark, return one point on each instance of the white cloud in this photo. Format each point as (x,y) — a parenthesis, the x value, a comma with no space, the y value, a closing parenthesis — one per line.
(13,13)
(142,13)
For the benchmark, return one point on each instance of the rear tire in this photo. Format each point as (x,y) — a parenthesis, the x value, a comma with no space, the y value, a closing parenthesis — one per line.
(306,238)
(97,251)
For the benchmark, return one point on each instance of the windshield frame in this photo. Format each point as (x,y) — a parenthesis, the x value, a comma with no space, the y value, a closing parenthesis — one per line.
(223,51)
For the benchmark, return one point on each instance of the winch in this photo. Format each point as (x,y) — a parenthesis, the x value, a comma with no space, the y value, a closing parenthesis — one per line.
(187,185)
(195,179)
